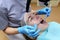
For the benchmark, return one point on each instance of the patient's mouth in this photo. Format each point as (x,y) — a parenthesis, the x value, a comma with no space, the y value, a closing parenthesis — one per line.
(42,22)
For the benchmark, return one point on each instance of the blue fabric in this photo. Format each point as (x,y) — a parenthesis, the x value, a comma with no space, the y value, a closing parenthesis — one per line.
(3,19)
(52,32)
(16,10)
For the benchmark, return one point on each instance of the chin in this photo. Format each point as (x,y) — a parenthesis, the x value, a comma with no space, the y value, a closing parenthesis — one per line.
(43,25)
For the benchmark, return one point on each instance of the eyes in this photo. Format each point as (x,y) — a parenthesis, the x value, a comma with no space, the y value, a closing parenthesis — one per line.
(30,18)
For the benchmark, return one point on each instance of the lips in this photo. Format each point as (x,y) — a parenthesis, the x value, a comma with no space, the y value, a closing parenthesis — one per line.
(42,21)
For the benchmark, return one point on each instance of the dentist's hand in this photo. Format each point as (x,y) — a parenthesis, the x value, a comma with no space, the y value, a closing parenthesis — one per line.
(44,11)
(30,31)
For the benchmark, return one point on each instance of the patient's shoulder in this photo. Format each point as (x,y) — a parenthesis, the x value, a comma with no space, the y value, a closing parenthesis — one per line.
(53,26)
(53,22)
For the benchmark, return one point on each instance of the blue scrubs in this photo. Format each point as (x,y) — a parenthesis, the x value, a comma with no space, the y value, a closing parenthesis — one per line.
(51,33)
(11,14)
(13,11)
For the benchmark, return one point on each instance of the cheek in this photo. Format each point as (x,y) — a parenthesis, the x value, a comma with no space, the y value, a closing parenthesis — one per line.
(35,22)
(31,23)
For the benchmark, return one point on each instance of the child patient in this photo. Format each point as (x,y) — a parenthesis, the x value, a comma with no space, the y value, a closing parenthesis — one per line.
(48,30)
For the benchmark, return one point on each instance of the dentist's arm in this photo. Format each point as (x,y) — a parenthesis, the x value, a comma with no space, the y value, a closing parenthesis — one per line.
(11,31)
(30,31)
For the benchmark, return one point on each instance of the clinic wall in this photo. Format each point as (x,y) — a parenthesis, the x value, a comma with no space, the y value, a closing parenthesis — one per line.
(52,2)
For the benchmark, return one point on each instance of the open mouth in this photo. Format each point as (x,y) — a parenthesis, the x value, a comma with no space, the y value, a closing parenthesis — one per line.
(42,22)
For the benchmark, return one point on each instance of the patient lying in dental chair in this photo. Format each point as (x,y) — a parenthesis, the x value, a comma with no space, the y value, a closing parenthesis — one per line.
(48,30)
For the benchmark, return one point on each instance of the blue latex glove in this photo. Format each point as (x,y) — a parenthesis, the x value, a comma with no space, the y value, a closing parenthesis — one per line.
(44,11)
(30,31)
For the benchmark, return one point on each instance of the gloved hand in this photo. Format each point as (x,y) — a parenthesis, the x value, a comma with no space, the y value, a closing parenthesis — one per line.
(30,31)
(44,11)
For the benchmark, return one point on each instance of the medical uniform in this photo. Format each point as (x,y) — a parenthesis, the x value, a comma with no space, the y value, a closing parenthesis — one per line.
(51,33)
(11,14)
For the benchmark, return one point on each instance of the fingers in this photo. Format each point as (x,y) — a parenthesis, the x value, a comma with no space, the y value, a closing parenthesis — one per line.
(33,29)
(36,32)
(35,26)
(35,35)
(30,27)
(48,9)
(31,36)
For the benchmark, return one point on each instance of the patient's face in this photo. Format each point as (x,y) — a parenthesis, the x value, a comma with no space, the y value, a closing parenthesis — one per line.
(34,19)
(37,19)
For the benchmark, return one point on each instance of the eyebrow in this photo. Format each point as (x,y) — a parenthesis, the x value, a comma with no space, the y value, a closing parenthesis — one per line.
(29,17)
